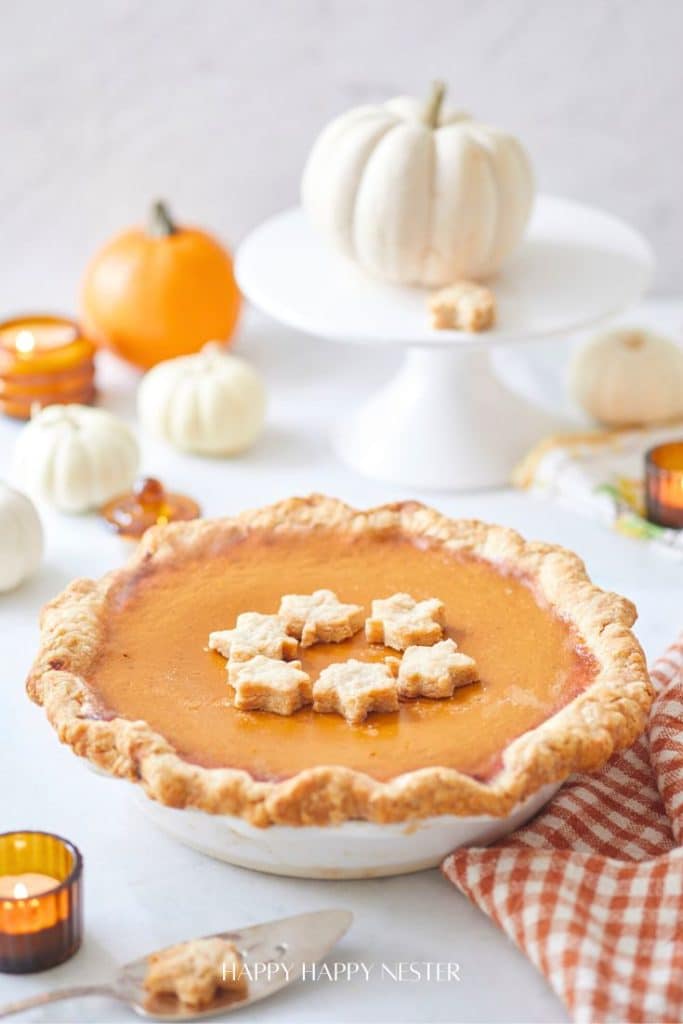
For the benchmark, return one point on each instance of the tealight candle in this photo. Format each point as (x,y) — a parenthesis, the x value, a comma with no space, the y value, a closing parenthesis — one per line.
(44,360)
(40,901)
(31,883)
(664,484)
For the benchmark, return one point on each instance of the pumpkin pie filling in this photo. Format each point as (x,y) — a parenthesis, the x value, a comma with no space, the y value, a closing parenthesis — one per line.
(154,664)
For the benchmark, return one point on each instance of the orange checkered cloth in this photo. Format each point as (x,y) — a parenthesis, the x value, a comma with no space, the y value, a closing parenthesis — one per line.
(592,889)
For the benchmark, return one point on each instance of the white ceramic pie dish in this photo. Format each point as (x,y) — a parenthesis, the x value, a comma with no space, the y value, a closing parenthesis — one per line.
(354,849)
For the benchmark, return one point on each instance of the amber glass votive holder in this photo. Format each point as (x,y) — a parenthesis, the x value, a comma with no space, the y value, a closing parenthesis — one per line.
(664,484)
(42,930)
(44,360)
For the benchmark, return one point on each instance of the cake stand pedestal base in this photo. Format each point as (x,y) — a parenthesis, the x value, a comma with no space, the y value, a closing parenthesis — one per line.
(445,421)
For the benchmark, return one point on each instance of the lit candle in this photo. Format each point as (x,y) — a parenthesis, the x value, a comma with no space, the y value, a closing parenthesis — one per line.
(44,360)
(664,484)
(31,883)
(40,901)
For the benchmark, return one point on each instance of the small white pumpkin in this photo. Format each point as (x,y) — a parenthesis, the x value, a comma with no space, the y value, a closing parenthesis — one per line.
(21,538)
(628,377)
(418,194)
(75,457)
(211,403)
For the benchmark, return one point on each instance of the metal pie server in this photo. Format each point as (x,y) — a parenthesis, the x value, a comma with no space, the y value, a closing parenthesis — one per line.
(274,955)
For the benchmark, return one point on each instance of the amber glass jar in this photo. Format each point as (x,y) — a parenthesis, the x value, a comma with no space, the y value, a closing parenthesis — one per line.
(41,923)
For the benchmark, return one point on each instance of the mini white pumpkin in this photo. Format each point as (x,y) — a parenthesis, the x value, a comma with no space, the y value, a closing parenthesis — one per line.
(75,457)
(629,377)
(211,403)
(21,538)
(418,194)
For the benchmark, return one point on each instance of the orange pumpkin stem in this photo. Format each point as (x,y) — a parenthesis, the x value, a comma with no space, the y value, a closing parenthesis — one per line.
(162,224)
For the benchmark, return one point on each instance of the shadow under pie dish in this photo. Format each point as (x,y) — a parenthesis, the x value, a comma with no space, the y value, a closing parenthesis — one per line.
(128,681)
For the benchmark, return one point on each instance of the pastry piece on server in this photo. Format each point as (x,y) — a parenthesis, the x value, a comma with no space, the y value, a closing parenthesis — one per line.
(195,972)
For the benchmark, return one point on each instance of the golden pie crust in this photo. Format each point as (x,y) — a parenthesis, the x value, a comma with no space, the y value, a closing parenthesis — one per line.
(607,715)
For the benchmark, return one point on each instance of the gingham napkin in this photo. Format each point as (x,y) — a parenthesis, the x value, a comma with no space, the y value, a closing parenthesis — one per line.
(592,889)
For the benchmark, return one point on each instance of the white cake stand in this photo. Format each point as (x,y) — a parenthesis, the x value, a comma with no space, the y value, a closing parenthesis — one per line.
(446,421)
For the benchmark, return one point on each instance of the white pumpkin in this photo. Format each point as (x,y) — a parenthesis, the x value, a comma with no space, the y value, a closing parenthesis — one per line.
(21,538)
(75,457)
(418,194)
(210,403)
(629,377)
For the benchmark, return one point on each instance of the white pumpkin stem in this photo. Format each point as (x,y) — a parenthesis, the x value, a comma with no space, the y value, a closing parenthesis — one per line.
(213,348)
(432,110)
(634,340)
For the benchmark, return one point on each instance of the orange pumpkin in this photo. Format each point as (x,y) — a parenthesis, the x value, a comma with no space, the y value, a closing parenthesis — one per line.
(152,295)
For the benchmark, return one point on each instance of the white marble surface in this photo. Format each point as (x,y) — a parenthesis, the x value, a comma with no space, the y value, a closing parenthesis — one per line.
(215,104)
(142,890)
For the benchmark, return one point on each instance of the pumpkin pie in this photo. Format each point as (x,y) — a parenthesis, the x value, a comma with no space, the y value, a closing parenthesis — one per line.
(127,680)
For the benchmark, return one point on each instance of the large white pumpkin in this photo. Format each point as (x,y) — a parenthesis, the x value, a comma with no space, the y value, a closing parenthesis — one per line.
(629,377)
(21,538)
(418,194)
(75,457)
(211,403)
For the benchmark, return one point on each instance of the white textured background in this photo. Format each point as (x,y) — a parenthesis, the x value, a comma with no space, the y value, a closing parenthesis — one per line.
(214,103)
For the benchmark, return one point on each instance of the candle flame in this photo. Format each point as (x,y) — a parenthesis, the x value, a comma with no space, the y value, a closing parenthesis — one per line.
(20,891)
(24,341)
